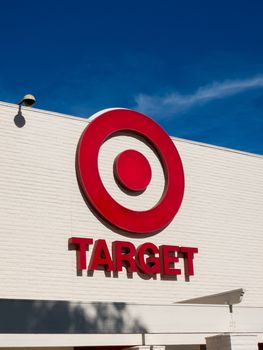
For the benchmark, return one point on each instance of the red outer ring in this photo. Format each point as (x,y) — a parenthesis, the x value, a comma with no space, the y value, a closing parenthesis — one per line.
(97,132)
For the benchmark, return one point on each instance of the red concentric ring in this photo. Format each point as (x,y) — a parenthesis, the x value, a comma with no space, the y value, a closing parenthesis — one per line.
(96,133)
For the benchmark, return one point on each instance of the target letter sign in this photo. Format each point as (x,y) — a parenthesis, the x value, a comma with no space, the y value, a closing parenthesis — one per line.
(132,172)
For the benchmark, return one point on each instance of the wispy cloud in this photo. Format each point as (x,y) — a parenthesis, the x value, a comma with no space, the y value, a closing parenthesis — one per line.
(170,104)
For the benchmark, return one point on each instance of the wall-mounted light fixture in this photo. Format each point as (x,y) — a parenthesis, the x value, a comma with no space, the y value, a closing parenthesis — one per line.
(28,100)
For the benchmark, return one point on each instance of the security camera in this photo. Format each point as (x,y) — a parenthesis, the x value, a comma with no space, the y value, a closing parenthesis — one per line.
(28,100)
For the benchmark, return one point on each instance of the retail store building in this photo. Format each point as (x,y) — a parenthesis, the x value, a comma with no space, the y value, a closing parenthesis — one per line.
(114,235)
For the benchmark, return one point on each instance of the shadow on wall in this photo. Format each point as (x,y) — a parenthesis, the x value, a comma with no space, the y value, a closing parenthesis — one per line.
(19,119)
(32,316)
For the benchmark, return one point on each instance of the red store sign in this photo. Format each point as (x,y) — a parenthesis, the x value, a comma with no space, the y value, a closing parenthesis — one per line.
(132,172)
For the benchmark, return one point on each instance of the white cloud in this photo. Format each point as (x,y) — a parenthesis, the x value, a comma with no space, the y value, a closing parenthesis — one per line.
(165,106)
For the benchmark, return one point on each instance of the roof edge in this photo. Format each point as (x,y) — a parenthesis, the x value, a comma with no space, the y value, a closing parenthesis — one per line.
(86,120)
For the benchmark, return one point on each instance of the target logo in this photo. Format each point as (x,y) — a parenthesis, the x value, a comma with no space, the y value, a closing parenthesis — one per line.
(132,171)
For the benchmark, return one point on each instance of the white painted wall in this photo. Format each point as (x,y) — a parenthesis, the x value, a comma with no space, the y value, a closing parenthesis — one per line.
(41,207)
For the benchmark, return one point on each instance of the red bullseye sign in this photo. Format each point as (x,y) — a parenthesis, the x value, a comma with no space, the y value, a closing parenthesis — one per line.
(132,171)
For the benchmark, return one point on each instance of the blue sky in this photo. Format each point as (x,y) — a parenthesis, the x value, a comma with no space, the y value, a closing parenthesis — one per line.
(194,66)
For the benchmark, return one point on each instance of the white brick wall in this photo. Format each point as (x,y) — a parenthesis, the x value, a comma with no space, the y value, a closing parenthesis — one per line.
(41,207)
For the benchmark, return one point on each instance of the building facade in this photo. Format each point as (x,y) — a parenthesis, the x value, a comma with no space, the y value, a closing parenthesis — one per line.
(101,247)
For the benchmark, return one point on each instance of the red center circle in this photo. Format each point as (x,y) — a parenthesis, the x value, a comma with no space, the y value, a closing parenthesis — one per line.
(132,170)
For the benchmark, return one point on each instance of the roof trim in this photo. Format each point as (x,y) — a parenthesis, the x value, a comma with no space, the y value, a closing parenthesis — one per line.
(86,120)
